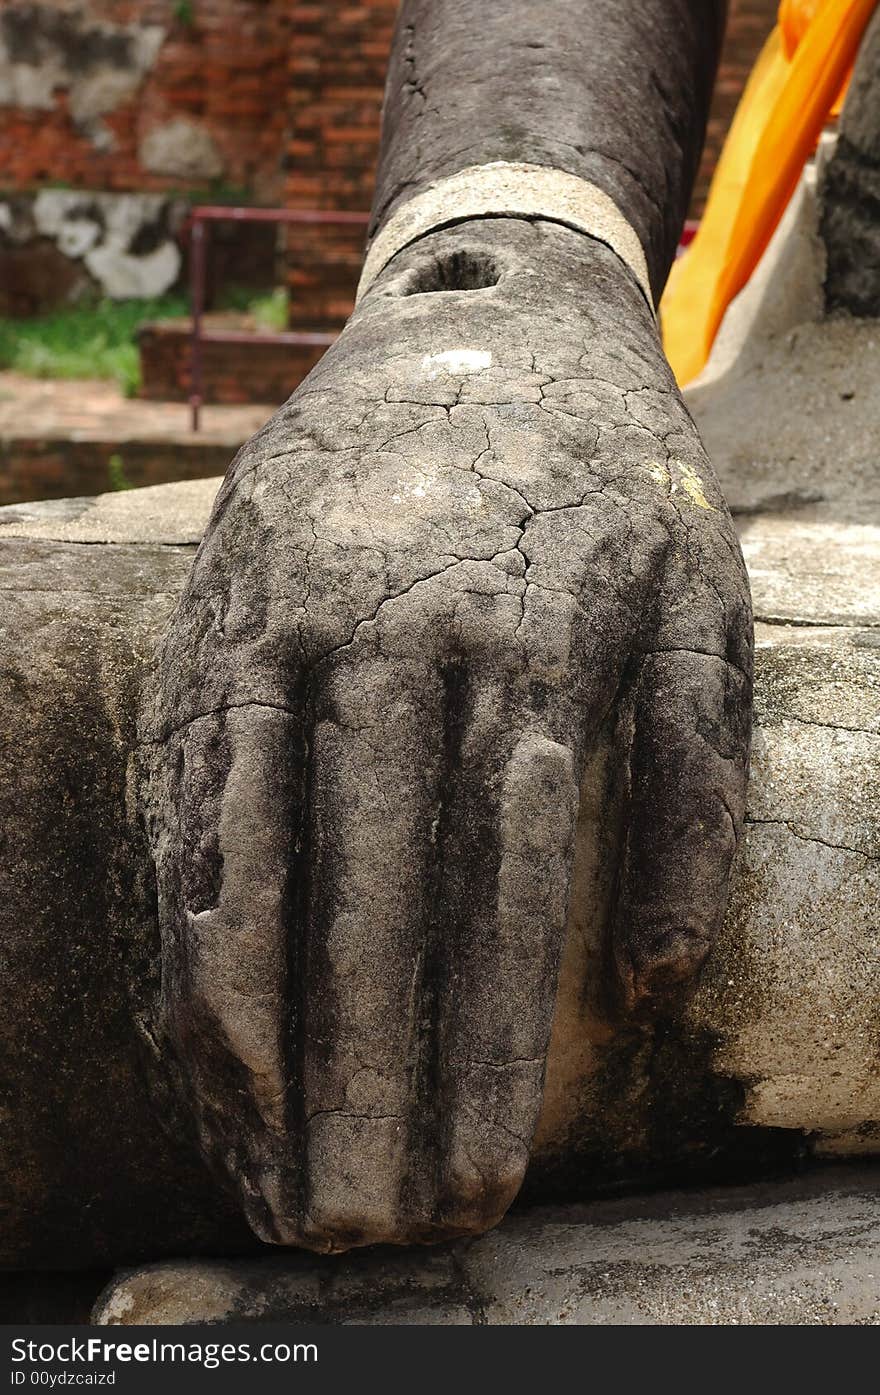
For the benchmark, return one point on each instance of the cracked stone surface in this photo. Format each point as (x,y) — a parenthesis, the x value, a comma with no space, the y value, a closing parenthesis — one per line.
(481,541)
(776,1054)
(366,855)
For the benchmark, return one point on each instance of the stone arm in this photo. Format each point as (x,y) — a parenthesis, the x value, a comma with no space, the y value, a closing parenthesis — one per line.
(615,94)
(480,539)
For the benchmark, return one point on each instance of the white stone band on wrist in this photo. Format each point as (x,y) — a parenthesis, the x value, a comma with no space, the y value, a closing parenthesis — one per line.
(512,190)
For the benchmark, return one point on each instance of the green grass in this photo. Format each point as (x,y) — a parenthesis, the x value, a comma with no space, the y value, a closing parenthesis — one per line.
(97,339)
(116,473)
(269,310)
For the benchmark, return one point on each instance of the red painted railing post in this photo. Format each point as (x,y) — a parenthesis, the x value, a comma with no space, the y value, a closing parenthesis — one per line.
(197,301)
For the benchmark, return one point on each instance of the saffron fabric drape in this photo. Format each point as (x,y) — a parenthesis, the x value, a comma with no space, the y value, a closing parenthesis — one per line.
(794,87)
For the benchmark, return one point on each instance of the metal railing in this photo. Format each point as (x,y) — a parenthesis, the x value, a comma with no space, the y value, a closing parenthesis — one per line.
(197,222)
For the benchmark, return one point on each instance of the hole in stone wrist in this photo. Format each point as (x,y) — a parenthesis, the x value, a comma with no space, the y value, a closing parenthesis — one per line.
(454,271)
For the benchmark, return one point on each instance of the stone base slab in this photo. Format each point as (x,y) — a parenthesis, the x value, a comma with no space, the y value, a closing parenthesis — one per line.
(794,1253)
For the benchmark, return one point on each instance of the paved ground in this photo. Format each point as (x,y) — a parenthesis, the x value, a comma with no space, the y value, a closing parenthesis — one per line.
(62,438)
(82,410)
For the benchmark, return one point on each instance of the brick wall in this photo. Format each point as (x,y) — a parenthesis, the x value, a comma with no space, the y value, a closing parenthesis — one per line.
(337,77)
(90,91)
(280,98)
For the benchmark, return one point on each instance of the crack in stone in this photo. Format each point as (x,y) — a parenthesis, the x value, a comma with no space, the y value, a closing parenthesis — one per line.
(214,712)
(810,837)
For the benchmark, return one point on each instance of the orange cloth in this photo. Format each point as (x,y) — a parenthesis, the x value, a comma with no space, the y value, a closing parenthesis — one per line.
(791,92)
(794,19)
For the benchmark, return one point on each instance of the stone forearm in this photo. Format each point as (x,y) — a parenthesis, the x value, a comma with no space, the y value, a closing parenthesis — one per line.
(616,94)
